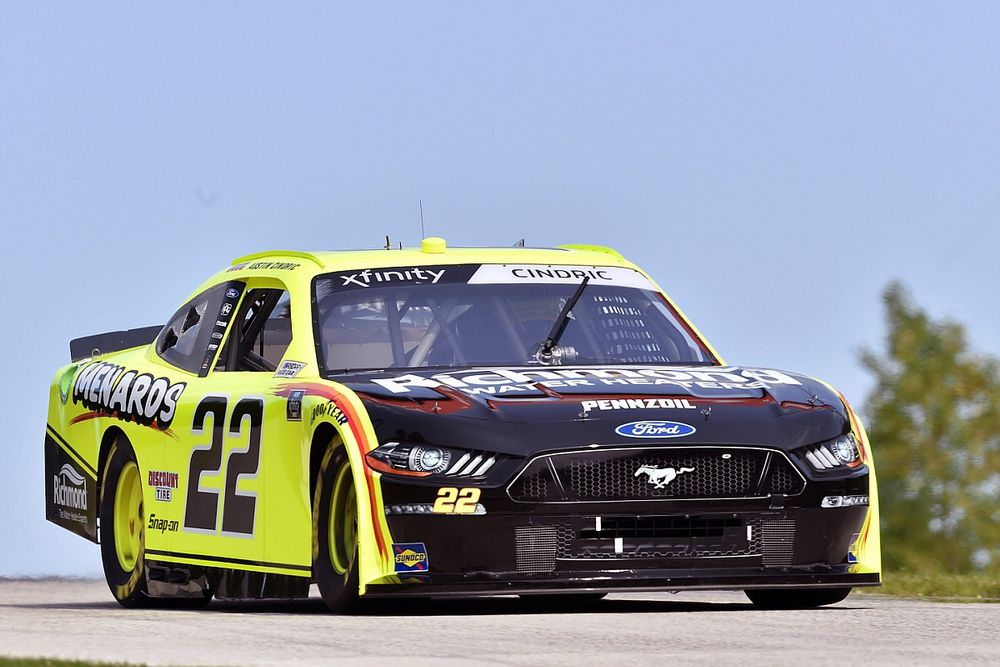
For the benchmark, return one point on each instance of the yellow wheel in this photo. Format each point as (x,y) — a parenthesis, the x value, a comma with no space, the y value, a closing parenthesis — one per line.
(123,544)
(128,517)
(122,524)
(343,537)
(335,531)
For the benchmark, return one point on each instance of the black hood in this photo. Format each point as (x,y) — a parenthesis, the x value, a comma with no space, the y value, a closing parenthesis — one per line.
(523,411)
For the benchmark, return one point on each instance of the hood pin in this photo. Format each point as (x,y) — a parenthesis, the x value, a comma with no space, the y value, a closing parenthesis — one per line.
(706,412)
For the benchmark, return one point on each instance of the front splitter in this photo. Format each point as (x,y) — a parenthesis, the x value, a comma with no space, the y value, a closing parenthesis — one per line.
(598,584)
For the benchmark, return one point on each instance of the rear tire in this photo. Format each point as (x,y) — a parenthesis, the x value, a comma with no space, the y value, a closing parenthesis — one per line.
(335,532)
(796,598)
(123,522)
(123,536)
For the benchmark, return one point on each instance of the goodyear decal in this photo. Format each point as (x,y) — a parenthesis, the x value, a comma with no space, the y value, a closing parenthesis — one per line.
(410,557)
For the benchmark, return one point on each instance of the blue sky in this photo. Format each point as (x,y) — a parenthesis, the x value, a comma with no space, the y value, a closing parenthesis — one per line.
(772,164)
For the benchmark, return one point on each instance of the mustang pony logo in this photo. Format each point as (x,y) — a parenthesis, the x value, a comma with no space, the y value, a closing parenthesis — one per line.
(660,477)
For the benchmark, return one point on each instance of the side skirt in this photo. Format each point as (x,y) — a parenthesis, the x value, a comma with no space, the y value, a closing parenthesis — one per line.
(176,580)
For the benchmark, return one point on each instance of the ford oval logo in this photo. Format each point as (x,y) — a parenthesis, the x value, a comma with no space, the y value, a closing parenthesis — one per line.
(655,429)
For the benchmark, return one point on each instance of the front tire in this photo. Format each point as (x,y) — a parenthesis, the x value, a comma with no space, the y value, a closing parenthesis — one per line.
(335,532)
(796,598)
(123,526)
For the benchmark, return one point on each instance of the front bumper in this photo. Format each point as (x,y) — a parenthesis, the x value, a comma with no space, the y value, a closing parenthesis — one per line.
(635,546)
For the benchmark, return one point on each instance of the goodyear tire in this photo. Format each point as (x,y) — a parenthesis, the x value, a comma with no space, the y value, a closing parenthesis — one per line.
(123,526)
(335,532)
(796,598)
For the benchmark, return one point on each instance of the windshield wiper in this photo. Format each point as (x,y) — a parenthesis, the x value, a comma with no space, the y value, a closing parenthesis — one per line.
(545,352)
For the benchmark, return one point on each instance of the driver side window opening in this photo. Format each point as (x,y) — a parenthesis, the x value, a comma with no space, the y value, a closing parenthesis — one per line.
(183,341)
(260,333)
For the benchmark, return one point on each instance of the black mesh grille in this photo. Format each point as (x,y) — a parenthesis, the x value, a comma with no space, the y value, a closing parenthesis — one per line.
(535,548)
(781,479)
(536,484)
(663,473)
(667,473)
(779,542)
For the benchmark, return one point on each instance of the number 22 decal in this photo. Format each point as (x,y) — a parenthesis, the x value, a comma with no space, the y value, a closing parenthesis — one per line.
(456,501)
(239,507)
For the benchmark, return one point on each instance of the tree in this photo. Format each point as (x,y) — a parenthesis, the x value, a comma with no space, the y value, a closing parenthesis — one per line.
(935,431)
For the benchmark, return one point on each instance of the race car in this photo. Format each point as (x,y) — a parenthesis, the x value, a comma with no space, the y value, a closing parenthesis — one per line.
(440,422)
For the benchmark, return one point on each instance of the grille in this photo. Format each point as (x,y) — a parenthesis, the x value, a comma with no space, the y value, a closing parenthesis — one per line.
(662,526)
(667,473)
(661,538)
(781,479)
(536,485)
(535,548)
(663,473)
(779,542)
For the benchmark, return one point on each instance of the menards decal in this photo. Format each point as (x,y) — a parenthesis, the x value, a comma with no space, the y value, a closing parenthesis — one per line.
(112,390)
(504,380)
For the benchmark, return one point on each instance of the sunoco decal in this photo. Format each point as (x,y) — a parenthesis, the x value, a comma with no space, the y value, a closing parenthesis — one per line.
(109,389)
(655,429)
(503,380)
(410,557)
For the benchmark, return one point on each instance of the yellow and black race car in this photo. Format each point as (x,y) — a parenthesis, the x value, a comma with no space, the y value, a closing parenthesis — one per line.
(451,422)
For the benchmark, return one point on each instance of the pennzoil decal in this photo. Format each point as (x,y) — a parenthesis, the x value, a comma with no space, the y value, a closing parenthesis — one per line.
(113,391)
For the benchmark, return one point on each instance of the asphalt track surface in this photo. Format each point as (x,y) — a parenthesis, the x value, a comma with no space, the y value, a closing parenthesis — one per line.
(78,619)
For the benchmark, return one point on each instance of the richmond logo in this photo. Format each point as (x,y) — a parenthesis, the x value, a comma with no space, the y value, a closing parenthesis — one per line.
(69,488)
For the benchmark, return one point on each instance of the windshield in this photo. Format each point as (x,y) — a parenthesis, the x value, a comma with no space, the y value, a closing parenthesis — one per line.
(495,315)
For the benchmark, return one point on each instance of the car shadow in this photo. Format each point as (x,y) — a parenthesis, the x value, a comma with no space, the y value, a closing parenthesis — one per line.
(493,606)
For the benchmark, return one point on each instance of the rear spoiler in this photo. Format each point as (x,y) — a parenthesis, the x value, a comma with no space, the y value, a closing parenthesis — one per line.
(113,341)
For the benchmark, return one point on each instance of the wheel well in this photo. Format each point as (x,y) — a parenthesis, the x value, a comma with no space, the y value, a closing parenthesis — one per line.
(322,437)
(109,437)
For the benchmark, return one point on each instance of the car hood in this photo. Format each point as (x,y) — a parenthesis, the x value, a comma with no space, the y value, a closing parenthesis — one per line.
(523,411)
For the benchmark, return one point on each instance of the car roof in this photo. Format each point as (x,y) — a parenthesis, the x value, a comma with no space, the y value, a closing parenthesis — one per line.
(432,251)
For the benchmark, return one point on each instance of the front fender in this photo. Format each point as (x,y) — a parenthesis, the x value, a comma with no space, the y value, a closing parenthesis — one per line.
(331,403)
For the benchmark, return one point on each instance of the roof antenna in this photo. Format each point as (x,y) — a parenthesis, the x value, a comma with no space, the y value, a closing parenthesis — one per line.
(388,245)
(519,243)
(422,234)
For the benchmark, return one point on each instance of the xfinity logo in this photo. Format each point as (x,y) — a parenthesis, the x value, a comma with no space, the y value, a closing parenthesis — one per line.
(655,429)
(416,274)
(69,488)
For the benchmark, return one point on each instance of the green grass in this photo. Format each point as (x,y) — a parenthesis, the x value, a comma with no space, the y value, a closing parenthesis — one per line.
(978,587)
(54,662)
